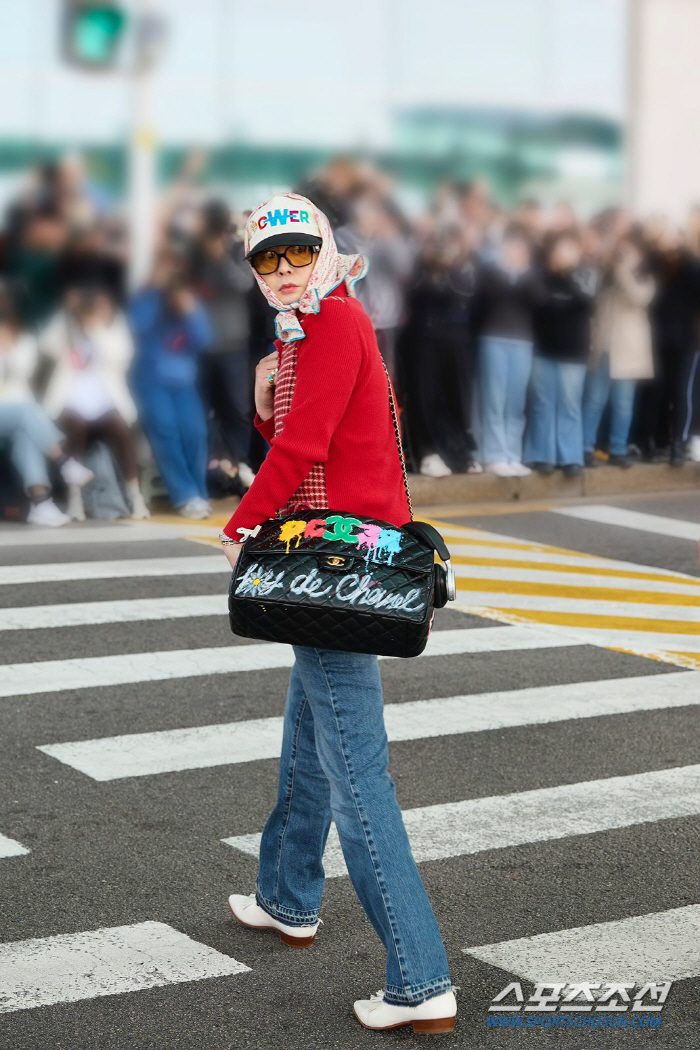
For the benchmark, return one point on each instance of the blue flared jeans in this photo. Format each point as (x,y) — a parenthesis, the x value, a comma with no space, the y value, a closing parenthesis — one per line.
(554,431)
(334,767)
(598,388)
(505,366)
(31,433)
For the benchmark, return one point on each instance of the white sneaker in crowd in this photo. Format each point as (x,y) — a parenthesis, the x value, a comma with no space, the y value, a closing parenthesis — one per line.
(475,467)
(139,509)
(436,1014)
(76,507)
(245,473)
(74,473)
(501,470)
(192,508)
(519,469)
(46,513)
(249,913)
(694,449)
(195,508)
(434,466)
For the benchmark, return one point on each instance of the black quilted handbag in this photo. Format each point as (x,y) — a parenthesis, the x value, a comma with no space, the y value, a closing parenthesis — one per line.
(333,580)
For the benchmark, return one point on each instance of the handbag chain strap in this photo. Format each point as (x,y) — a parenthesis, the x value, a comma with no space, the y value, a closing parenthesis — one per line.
(398,436)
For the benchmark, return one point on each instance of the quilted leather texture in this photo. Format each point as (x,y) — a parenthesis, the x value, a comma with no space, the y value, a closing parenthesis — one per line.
(288,589)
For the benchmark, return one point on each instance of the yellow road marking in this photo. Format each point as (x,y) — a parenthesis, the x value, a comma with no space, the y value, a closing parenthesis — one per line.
(213,521)
(490,509)
(665,656)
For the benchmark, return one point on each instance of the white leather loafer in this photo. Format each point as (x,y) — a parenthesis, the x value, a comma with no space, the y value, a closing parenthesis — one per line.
(249,913)
(432,1015)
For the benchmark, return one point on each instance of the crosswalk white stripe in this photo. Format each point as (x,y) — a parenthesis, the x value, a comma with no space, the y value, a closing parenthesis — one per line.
(55,675)
(125,533)
(631,611)
(201,747)
(453,829)
(653,644)
(659,946)
(572,580)
(633,519)
(33,617)
(110,961)
(61,572)
(536,557)
(10,848)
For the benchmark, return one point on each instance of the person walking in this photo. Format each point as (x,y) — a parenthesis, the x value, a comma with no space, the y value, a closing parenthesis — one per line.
(333,445)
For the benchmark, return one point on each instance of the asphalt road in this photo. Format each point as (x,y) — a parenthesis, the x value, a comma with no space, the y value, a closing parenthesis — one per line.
(582,706)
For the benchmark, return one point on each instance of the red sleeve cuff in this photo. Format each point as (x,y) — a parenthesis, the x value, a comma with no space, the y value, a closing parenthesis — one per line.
(265,426)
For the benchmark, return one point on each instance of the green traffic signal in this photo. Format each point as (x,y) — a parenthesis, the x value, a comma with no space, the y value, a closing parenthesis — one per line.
(93,32)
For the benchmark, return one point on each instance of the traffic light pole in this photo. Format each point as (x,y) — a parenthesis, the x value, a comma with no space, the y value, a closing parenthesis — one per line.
(142,154)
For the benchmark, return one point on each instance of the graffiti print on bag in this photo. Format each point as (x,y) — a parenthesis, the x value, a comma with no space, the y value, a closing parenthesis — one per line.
(380,544)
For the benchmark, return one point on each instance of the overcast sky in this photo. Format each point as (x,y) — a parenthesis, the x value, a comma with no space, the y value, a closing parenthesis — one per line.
(311,73)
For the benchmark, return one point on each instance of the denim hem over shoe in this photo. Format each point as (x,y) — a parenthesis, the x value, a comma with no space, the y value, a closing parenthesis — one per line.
(288,915)
(412,995)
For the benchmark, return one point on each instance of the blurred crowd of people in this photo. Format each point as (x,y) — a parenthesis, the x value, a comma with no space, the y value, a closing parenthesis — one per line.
(516,340)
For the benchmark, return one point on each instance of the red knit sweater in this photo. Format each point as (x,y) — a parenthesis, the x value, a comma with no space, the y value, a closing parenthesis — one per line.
(340,416)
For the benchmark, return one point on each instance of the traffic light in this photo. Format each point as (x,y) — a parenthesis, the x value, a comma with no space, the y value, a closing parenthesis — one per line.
(92,32)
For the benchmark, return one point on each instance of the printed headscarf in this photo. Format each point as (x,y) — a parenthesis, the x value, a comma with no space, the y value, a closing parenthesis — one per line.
(330,270)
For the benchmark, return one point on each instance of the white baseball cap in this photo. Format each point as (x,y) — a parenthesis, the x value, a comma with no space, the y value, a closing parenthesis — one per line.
(281,220)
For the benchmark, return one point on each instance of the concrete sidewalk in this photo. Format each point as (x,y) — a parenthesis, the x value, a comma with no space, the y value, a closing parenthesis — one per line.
(603,480)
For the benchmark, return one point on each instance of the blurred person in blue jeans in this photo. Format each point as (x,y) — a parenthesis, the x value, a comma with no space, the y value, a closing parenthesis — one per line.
(508,290)
(171,330)
(562,327)
(622,348)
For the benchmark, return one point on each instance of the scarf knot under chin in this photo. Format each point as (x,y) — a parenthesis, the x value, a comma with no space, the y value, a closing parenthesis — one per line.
(331,269)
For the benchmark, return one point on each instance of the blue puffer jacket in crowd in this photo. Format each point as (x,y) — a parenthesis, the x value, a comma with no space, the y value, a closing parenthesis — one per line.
(167,343)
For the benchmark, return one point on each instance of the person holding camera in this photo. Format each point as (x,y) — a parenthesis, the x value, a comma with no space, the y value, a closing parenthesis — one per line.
(622,348)
(171,330)
(90,346)
(563,335)
(32,439)
(222,280)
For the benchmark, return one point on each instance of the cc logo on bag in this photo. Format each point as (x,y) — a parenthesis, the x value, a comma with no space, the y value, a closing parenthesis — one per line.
(335,561)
